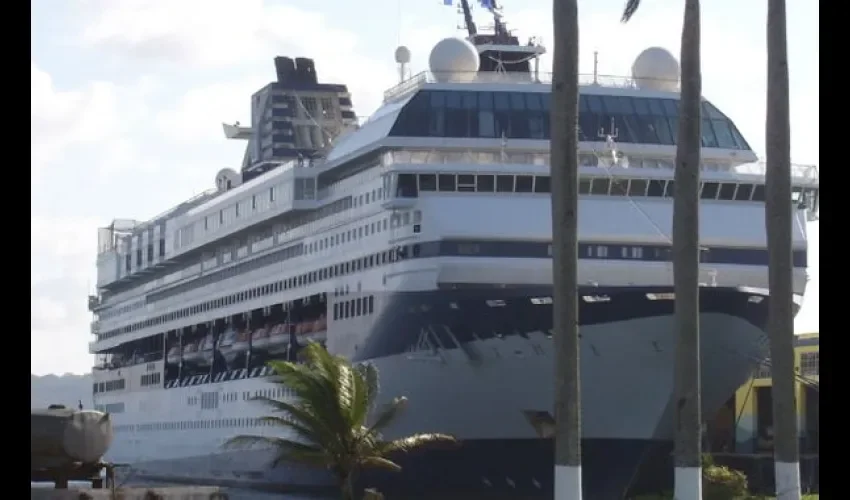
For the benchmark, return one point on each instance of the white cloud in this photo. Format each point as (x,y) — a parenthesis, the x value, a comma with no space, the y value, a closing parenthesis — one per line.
(224,33)
(62,271)
(61,119)
(198,115)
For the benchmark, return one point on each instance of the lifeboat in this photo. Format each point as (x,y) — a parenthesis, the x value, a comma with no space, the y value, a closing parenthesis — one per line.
(278,338)
(233,344)
(207,348)
(260,338)
(225,341)
(320,327)
(242,341)
(191,354)
(173,357)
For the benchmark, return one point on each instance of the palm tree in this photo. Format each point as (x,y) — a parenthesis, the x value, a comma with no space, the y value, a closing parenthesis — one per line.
(328,419)
(687,452)
(564,171)
(778,222)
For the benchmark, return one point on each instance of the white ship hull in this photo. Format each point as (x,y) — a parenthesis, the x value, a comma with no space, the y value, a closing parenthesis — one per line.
(481,392)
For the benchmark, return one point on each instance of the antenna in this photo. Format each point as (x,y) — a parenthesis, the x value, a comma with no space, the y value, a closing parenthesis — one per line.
(596,67)
(610,142)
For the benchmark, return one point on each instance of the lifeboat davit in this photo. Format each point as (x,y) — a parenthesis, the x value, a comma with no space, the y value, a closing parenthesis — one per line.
(260,338)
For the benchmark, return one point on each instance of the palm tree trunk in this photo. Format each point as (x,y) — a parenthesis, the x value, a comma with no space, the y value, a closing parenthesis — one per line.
(688,470)
(564,171)
(778,220)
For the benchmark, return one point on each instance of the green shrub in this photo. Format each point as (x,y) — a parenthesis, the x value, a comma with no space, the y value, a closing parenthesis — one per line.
(720,482)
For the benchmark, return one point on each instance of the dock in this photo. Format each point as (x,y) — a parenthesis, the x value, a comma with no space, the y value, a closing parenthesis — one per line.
(130,493)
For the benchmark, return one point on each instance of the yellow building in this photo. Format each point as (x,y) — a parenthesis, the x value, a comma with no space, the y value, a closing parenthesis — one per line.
(753,402)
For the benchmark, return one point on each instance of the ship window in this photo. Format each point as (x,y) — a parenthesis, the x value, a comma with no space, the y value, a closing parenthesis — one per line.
(504,183)
(666,130)
(727,191)
(758,192)
(542,184)
(594,104)
(669,189)
(600,186)
(744,192)
(619,187)
(524,184)
(584,186)
(656,188)
(486,119)
(725,138)
(708,138)
(641,106)
(406,186)
(427,182)
(466,183)
(709,190)
(486,184)
(447,182)
(520,115)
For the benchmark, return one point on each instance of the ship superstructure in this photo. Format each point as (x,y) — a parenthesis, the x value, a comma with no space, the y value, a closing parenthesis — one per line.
(421,241)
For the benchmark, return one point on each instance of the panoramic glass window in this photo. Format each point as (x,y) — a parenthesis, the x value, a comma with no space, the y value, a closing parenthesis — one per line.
(525,115)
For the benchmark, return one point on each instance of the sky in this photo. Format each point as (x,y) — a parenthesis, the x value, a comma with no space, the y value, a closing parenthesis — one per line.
(128,97)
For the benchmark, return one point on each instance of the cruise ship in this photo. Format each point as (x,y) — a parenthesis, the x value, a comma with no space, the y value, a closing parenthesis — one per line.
(420,241)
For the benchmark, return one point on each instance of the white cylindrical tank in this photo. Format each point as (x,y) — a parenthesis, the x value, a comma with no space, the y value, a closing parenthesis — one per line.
(454,60)
(656,69)
(62,435)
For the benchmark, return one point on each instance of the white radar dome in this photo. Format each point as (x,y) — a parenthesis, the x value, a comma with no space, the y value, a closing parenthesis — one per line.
(454,60)
(402,55)
(656,69)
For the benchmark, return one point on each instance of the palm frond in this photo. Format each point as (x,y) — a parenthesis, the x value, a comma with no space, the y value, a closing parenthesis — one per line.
(359,407)
(388,414)
(369,376)
(629,10)
(308,423)
(415,441)
(376,462)
(328,375)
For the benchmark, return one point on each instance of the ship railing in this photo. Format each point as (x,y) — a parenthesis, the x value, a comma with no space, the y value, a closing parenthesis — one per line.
(109,237)
(506,77)
(801,173)
(113,363)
